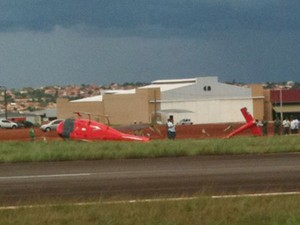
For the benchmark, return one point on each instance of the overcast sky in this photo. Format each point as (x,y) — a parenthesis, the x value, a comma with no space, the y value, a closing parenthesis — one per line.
(61,42)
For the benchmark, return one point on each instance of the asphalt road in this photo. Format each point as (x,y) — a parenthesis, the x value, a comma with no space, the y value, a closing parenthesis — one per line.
(146,178)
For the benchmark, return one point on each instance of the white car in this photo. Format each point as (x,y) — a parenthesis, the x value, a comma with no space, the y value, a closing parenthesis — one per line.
(185,122)
(52,125)
(4,123)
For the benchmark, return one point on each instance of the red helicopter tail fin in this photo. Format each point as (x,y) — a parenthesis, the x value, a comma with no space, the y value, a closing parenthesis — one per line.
(250,123)
(248,117)
(240,129)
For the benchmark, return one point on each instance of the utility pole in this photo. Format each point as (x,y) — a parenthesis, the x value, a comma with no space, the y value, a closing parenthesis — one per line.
(280,97)
(5,100)
(155,108)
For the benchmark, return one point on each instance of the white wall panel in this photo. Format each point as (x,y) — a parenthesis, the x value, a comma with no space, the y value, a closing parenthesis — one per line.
(213,111)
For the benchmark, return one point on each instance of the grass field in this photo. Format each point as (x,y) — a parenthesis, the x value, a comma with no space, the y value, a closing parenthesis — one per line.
(280,210)
(73,150)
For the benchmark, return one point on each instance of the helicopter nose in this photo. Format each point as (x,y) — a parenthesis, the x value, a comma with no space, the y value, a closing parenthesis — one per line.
(65,128)
(59,128)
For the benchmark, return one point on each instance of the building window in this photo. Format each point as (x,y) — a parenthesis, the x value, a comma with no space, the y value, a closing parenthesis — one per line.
(207,88)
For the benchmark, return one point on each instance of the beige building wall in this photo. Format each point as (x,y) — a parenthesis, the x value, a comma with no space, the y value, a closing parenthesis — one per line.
(258,101)
(132,108)
(121,109)
(66,109)
(268,106)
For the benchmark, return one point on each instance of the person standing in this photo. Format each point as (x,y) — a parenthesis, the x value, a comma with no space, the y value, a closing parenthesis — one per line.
(31,134)
(265,127)
(286,126)
(171,130)
(294,125)
(277,125)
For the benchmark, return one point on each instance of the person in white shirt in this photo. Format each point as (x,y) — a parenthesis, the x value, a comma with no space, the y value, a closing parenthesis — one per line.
(294,126)
(171,130)
(286,126)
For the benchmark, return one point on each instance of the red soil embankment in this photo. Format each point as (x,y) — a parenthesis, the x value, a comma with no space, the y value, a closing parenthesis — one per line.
(158,132)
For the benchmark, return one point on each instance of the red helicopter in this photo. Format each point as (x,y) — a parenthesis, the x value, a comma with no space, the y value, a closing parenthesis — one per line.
(250,124)
(89,130)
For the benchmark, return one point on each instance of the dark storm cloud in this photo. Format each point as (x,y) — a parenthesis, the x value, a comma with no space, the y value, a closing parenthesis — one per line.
(92,41)
(181,17)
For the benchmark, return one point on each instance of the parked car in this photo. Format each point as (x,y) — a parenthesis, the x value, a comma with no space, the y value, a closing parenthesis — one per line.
(52,125)
(4,123)
(25,124)
(185,122)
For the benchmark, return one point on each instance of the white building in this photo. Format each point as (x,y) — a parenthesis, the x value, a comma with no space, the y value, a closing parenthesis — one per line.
(203,100)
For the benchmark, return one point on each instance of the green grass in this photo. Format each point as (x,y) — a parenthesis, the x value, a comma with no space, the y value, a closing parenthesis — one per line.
(280,210)
(73,150)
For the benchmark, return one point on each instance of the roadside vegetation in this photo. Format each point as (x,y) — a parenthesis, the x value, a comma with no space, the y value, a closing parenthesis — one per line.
(283,210)
(73,150)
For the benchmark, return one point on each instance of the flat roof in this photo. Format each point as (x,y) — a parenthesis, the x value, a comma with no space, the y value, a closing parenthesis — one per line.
(120,92)
(97,98)
(170,84)
(175,81)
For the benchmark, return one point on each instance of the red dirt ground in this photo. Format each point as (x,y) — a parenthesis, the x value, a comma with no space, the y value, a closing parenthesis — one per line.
(159,132)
